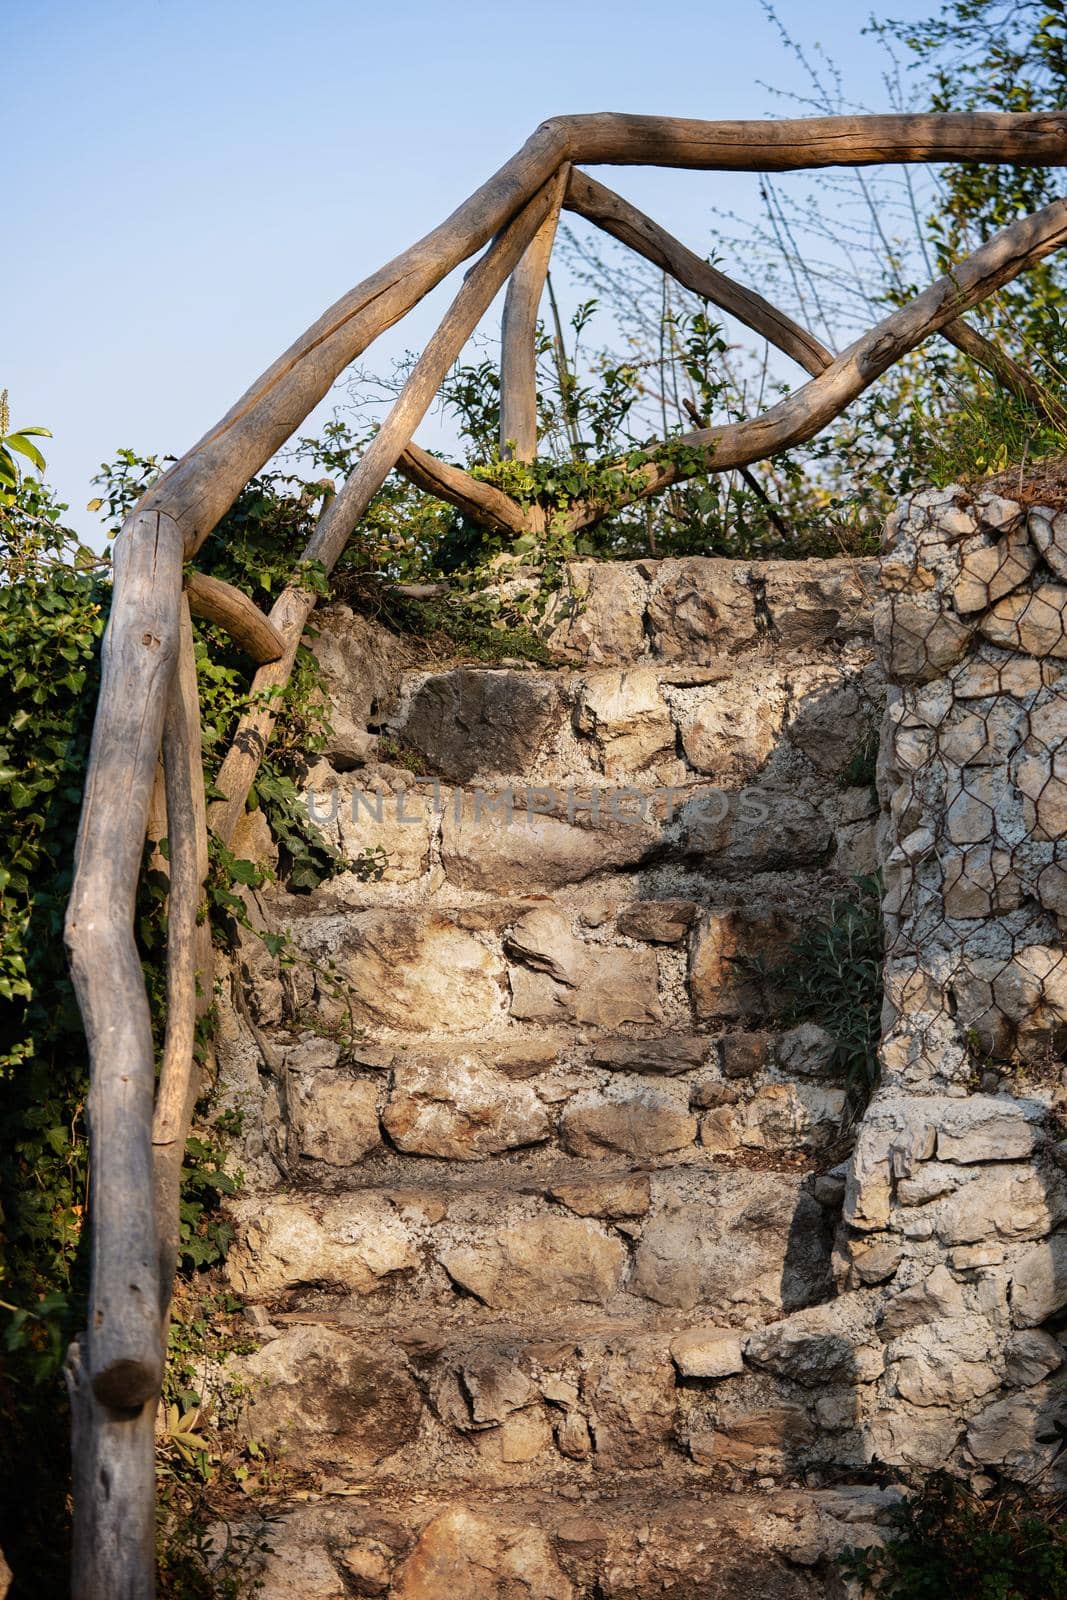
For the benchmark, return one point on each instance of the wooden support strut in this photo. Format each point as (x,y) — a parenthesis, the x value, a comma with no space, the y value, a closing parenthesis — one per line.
(124,1352)
(625,222)
(340,516)
(201,487)
(518,343)
(802,414)
(236,615)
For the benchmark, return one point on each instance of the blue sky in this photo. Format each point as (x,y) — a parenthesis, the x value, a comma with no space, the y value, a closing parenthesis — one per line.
(196,181)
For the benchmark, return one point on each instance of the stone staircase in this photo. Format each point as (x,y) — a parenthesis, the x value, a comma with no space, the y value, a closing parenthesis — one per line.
(533,1176)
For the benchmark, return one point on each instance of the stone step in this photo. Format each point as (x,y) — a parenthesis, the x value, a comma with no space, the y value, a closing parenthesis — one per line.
(526,836)
(743,1240)
(628,1544)
(502,968)
(352,1114)
(578,1394)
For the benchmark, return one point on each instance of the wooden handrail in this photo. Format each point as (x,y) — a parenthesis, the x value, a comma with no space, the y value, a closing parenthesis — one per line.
(148,690)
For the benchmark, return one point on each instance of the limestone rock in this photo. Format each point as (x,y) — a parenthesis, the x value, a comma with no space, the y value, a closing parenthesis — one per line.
(1041,779)
(730,730)
(811,602)
(632,1399)
(983,1128)
(419,972)
(1030,1356)
(368,1564)
(461,1111)
(573,1437)
(625,715)
(822,1344)
(599,615)
(395,827)
(915,1436)
(769,1248)
(828,717)
(495,1388)
(673,1053)
(360,662)
(564,979)
(322,1396)
(529,851)
(988,572)
(469,722)
(999,1202)
(462,1554)
(624,1194)
(1031,621)
(921,640)
(707,1352)
(719,986)
(949,1361)
(754,830)
(1039,1282)
(1018,1432)
(657,921)
(332,1117)
(938,1295)
(283,1242)
(806,1049)
(793,1116)
(538,1263)
(641,1126)
(700,609)
(1048,530)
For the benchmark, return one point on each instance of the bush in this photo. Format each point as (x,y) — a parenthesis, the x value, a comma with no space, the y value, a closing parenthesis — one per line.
(949,1544)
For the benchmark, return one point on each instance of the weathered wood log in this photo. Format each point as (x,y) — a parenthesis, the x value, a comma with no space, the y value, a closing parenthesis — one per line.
(201,487)
(235,614)
(1006,370)
(518,344)
(183,763)
(625,222)
(156,827)
(124,1348)
(339,517)
(114,1482)
(483,503)
(802,415)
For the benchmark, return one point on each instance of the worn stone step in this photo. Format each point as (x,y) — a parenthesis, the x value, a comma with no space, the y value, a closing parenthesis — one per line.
(748,1238)
(352,1113)
(502,968)
(628,1545)
(528,836)
(579,1395)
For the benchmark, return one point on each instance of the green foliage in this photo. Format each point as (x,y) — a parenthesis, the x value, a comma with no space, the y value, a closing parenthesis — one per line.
(949,1544)
(54,595)
(13,444)
(52,601)
(832,975)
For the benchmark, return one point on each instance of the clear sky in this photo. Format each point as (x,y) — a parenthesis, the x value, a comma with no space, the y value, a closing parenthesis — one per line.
(191,183)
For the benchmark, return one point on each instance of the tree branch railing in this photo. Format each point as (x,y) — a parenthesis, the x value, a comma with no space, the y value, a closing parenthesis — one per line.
(148,697)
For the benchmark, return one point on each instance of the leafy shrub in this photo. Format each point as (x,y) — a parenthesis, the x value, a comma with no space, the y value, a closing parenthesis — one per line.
(949,1544)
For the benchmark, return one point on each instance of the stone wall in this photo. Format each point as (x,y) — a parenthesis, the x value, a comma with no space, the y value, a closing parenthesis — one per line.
(563,1281)
(956,1188)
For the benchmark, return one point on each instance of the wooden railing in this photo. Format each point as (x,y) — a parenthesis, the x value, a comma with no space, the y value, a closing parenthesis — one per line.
(148,694)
